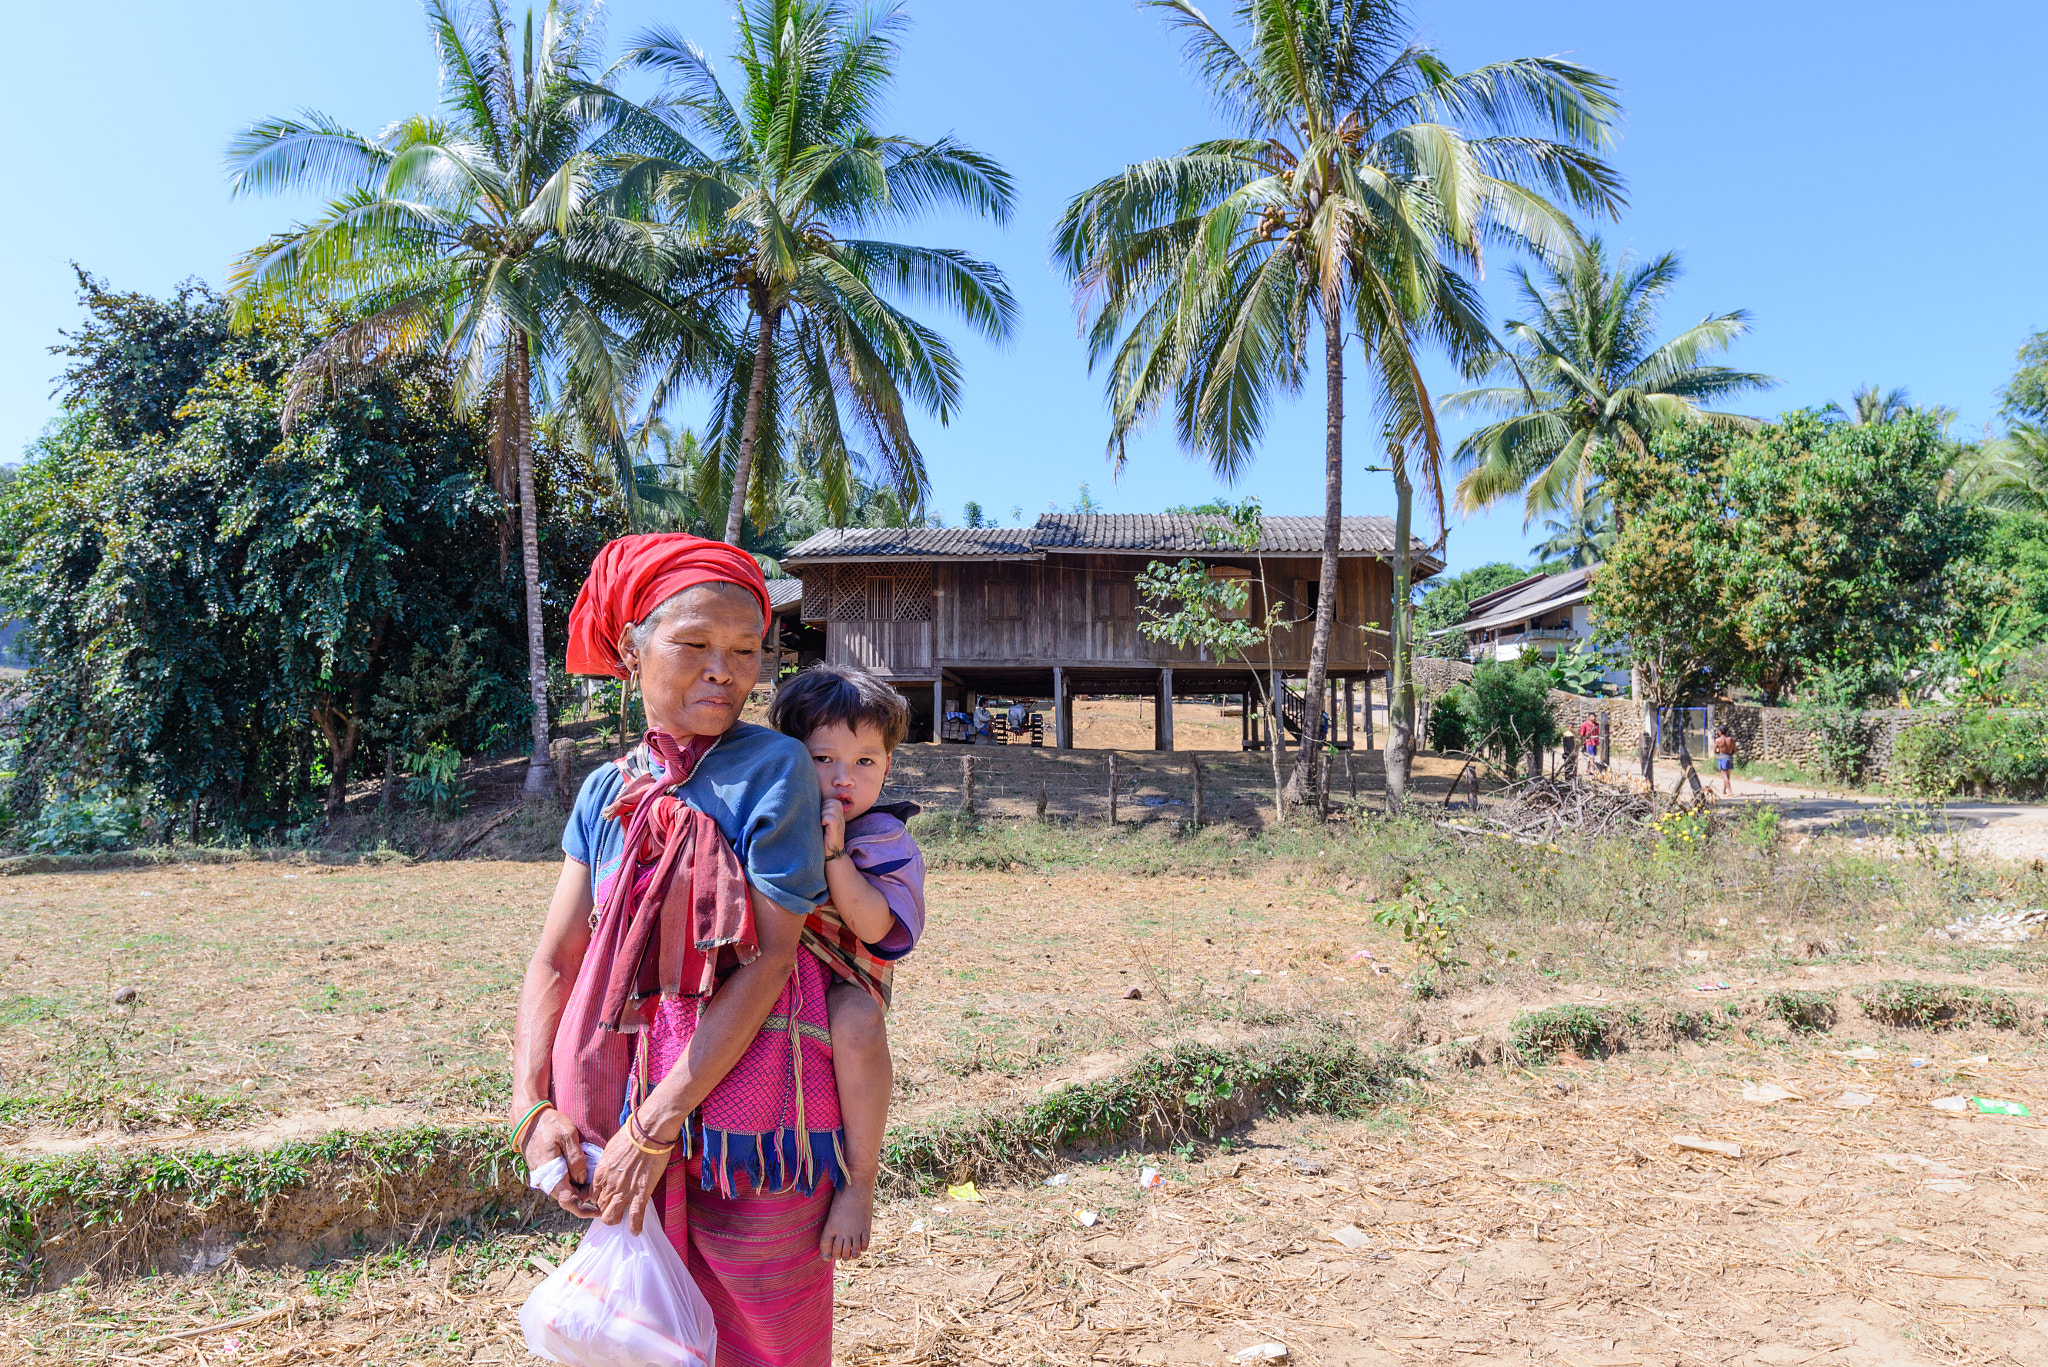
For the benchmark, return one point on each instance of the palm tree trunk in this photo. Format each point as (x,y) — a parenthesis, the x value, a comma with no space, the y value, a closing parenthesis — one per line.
(539,769)
(750,426)
(1302,782)
(1400,677)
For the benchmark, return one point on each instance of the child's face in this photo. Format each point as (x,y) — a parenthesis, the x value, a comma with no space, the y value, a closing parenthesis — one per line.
(852,764)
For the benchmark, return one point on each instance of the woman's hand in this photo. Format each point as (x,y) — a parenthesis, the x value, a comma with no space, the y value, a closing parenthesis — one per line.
(835,827)
(554,1136)
(625,1180)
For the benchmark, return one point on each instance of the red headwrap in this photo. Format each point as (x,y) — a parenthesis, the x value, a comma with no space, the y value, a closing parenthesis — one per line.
(634,575)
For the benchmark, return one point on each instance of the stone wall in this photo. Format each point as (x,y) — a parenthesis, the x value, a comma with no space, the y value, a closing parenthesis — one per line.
(1775,735)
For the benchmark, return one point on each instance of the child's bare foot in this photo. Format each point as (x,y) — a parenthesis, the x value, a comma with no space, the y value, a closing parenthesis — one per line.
(850,1222)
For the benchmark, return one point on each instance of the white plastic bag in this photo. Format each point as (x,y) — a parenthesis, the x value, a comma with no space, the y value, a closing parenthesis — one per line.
(621,1300)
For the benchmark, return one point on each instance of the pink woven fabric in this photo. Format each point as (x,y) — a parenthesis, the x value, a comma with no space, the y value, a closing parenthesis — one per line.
(755,1258)
(775,1117)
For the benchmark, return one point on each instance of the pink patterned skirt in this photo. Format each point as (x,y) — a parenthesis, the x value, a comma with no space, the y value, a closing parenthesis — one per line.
(743,1201)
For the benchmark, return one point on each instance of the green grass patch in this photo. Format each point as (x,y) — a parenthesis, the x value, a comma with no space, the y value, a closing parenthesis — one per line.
(1165,1095)
(84,1192)
(1807,1013)
(1588,1031)
(1913,1005)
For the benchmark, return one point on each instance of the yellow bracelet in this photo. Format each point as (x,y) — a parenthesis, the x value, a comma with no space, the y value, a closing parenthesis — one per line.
(643,1141)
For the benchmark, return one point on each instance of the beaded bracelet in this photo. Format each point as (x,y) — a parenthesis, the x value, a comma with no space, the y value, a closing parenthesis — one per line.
(519,1131)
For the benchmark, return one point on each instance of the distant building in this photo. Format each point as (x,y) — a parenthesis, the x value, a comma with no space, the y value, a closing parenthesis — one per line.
(1545,612)
(1044,612)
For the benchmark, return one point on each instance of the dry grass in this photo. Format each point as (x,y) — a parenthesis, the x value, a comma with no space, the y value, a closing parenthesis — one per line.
(1517,1211)
(1541,1217)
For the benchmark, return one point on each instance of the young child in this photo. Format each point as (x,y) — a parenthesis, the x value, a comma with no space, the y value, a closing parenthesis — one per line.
(852,723)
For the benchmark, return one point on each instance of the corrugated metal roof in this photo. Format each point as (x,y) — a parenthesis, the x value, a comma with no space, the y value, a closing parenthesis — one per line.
(1158,533)
(1530,598)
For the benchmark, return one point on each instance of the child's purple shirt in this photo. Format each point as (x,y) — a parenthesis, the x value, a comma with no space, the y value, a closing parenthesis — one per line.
(881,848)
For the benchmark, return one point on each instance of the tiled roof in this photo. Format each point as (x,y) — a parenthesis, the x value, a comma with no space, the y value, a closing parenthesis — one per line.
(783,592)
(1158,533)
(1184,532)
(874,542)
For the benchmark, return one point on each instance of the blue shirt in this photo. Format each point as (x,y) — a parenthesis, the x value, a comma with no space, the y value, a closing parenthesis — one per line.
(760,786)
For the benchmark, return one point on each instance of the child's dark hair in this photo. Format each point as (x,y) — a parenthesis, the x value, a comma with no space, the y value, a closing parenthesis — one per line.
(827,694)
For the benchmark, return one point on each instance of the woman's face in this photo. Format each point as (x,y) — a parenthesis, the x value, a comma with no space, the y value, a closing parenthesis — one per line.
(700,661)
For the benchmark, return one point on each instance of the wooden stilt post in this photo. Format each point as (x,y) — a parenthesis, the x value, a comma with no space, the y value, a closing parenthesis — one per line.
(1062,711)
(1163,727)
(939,708)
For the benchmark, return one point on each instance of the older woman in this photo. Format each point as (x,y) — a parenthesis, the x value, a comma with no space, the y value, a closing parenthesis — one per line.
(668,1013)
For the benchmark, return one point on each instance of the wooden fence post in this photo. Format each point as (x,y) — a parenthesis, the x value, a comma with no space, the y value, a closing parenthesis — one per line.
(1041,803)
(1112,787)
(1195,765)
(1351,774)
(967,786)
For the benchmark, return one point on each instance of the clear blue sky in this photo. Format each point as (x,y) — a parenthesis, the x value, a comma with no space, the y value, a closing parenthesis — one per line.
(1864,178)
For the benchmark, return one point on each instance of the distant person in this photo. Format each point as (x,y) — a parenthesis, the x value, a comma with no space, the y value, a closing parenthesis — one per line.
(1724,757)
(1018,718)
(1589,741)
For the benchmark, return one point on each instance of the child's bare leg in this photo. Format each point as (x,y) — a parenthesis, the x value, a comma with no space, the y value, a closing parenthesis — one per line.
(866,1077)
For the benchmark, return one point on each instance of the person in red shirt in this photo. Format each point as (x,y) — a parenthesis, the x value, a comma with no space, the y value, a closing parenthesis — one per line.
(1589,739)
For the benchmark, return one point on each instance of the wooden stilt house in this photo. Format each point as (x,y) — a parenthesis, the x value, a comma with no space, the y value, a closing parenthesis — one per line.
(1050,611)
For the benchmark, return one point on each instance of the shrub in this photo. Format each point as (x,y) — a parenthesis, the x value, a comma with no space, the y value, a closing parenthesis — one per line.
(1510,710)
(1450,722)
(85,824)
(1981,753)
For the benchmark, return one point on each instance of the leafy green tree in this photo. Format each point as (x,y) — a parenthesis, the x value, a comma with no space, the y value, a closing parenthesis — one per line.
(773,187)
(476,237)
(2025,396)
(1351,197)
(1806,545)
(1447,601)
(1189,608)
(1583,374)
(210,608)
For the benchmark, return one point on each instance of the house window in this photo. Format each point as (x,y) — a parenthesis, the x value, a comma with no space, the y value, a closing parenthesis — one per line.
(850,595)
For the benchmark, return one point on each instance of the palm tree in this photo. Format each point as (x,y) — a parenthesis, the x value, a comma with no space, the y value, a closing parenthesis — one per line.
(1871,407)
(1583,373)
(773,187)
(1579,539)
(473,236)
(1355,196)
(2007,475)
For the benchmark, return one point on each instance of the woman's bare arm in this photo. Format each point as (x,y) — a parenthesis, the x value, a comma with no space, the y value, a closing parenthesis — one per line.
(550,975)
(731,1019)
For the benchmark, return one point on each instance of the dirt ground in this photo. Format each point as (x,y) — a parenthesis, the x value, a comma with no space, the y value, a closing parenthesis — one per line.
(1538,1213)
(1541,1217)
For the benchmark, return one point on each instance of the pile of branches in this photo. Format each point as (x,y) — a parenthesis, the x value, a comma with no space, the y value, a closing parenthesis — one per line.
(1539,811)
